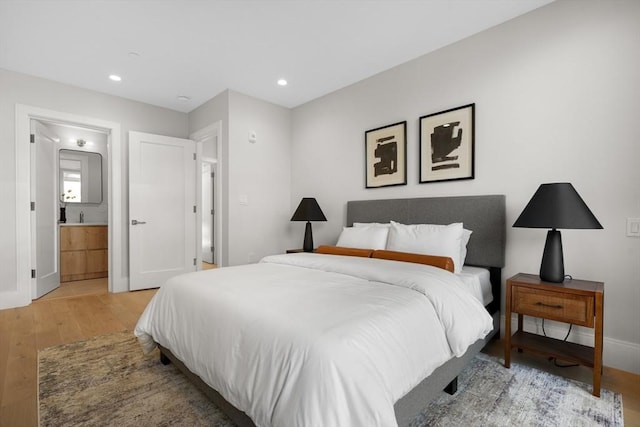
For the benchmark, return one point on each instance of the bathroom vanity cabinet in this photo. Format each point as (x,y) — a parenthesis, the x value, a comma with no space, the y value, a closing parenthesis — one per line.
(83,252)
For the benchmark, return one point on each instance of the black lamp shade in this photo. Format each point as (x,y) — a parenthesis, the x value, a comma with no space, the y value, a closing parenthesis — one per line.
(556,205)
(308,210)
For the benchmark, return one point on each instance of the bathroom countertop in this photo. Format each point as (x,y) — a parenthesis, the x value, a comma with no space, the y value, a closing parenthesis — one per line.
(77,224)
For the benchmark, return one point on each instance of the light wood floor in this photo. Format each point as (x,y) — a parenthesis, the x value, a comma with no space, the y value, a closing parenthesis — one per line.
(207,266)
(73,313)
(66,315)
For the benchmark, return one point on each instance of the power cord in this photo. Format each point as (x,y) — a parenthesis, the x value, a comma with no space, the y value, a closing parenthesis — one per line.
(555,361)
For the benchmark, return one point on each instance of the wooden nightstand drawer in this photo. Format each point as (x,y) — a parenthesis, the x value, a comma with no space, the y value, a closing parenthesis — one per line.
(560,306)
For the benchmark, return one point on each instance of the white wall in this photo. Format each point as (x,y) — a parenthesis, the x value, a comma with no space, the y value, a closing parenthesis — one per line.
(35,92)
(260,172)
(557,99)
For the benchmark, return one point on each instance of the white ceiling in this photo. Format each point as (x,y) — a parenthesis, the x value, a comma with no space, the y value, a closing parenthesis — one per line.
(200,48)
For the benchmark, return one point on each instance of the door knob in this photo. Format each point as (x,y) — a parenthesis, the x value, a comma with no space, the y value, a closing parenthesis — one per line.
(136,222)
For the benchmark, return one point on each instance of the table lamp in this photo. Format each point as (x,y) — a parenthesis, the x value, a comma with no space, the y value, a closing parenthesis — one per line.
(308,210)
(556,205)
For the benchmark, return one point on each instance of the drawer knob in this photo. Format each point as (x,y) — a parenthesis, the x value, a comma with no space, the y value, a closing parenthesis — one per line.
(540,303)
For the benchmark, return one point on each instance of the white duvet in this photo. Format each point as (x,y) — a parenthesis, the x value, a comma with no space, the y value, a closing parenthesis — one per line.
(314,340)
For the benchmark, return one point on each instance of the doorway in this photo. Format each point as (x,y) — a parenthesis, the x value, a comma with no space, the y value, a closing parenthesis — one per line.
(210,219)
(208,214)
(26,235)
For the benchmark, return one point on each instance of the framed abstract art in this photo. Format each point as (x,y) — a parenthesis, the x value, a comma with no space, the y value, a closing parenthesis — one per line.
(447,145)
(386,155)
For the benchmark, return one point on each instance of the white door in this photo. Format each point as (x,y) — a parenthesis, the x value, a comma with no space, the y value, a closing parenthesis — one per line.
(162,200)
(44,220)
(208,177)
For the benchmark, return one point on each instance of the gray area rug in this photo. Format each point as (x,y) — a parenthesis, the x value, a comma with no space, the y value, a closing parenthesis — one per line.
(107,381)
(491,395)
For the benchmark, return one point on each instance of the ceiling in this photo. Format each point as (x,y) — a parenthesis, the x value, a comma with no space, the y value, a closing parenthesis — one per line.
(164,50)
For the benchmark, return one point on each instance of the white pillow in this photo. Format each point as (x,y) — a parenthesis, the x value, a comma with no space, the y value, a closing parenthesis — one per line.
(466,235)
(363,237)
(428,239)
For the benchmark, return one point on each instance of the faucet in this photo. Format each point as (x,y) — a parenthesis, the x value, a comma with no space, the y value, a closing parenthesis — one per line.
(81,217)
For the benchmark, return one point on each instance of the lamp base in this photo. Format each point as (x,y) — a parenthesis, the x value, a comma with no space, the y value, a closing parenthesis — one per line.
(552,267)
(308,238)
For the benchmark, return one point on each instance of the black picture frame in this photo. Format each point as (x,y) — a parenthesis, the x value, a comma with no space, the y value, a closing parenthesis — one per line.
(447,145)
(386,156)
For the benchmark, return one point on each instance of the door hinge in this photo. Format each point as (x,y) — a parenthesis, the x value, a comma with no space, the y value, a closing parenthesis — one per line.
(33,274)
(212,249)
(194,261)
(33,206)
(213,175)
(194,209)
(213,212)
(194,156)
(32,138)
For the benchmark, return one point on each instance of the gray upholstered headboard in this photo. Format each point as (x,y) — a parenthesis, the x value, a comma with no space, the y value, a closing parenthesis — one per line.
(484,215)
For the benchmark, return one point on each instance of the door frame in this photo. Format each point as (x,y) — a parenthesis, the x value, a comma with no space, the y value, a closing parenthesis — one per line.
(24,115)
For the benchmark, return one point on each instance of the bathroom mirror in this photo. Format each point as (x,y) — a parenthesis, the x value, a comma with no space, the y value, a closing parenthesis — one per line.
(80,176)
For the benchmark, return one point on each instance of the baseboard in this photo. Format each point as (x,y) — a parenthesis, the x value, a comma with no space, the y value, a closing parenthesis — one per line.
(617,354)
(13,299)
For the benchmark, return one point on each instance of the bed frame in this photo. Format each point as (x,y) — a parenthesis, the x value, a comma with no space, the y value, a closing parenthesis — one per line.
(485,216)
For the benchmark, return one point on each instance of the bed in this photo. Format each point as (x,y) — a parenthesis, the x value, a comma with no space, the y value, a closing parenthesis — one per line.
(297,381)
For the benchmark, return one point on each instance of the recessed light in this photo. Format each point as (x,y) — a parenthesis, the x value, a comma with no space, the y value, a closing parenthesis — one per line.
(282,82)
(115,77)
(183,98)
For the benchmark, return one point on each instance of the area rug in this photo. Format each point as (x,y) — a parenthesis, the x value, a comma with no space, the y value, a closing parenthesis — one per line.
(491,395)
(107,381)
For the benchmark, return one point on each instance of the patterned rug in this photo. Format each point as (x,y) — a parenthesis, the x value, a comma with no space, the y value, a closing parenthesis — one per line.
(107,381)
(491,395)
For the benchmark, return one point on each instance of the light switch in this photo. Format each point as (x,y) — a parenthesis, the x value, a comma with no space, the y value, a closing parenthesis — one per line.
(253,137)
(633,227)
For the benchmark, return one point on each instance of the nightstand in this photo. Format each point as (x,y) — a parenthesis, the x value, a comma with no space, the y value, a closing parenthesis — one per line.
(579,302)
